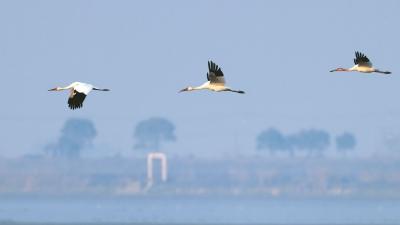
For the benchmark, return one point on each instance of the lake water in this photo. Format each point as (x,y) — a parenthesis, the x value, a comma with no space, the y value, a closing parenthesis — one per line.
(207,210)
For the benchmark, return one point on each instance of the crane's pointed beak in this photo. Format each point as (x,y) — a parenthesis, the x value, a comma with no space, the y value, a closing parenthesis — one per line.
(340,69)
(53,89)
(185,89)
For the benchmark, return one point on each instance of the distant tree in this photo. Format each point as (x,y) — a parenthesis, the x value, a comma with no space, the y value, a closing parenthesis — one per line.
(273,140)
(345,142)
(313,141)
(150,133)
(75,136)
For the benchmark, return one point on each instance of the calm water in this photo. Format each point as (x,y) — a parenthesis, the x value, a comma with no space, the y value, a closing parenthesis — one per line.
(208,210)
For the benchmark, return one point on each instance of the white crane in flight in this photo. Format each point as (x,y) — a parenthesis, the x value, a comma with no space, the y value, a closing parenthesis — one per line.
(362,64)
(78,92)
(216,81)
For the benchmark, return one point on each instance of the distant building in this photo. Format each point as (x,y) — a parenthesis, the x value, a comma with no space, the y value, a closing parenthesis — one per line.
(150,167)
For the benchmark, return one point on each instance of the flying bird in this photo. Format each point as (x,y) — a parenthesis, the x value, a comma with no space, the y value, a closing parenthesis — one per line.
(362,64)
(78,92)
(216,81)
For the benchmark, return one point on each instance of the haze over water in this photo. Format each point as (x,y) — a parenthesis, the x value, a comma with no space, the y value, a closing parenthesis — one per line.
(188,210)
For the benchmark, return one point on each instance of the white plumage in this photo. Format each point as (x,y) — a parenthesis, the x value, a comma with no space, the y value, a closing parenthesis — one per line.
(78,93)
(216,81)
(362,64)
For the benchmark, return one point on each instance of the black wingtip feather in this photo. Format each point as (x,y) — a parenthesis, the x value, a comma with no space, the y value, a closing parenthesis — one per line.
(360,58)
(75,101)
(214,68)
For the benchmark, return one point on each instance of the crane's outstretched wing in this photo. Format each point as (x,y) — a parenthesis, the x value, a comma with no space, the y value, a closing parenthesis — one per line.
(76,99)
(215,74)
(362,60)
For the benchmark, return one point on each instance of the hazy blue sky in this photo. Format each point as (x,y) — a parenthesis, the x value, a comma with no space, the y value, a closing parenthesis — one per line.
(279,52)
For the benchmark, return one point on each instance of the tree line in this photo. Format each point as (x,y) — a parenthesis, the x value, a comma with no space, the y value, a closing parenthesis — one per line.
(78,134)
(309,141)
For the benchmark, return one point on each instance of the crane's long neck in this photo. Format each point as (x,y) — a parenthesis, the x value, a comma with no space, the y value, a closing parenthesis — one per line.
(201,87)
(206,85)
(340,69)
(69,86)
(198,88)
(64,88)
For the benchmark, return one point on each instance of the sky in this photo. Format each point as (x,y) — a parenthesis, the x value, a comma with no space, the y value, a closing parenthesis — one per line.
(279,52)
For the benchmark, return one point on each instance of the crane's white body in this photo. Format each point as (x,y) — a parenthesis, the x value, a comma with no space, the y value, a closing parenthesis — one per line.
(362,69)
(82,87)
(212,87)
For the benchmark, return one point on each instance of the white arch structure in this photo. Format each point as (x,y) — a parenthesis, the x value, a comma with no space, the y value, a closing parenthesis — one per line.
(164,169)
